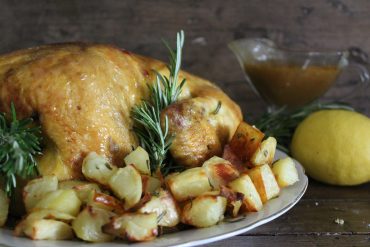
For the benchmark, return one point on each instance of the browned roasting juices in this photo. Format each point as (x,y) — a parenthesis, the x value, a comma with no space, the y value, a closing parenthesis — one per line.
(290,84)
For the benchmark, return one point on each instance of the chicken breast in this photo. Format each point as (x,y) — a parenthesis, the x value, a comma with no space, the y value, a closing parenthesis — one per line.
(82,96)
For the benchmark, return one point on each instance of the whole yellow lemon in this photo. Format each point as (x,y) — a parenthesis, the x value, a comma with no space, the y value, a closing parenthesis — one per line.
(334,146)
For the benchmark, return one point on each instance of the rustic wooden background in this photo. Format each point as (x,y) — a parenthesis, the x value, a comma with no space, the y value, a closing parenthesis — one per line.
(209,25)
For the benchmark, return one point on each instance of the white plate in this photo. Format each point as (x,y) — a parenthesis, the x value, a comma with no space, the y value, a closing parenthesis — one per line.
(272,209)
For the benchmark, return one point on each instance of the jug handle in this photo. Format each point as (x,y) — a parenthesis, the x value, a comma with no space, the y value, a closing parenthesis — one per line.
(359,60)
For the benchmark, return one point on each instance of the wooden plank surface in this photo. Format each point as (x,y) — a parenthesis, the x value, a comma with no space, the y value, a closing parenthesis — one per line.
(209,25)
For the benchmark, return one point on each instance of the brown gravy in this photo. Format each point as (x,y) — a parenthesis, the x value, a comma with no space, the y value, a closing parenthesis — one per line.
(291,85)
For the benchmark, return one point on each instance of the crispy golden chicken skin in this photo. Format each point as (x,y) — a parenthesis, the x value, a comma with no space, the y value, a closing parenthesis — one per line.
(82,95)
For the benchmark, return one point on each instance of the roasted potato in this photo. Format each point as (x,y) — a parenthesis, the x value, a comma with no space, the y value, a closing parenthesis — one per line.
(82,188)
(127,185)
(166,208)
(234,200)
(88,224)
(204,211)
(65,201)
(251,200)
(36,189)
(48,230)
(150,184)
(220,172)
(285,172)
(4,207)
(245,141)
(265,182)
(96,168)
(42,214)
(104,201)
(140,159)
(265,152)
(189,183)
(133,226)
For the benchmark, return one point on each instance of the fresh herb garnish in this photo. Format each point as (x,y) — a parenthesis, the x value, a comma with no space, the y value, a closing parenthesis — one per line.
(19,143)
(282,123)
(154,134)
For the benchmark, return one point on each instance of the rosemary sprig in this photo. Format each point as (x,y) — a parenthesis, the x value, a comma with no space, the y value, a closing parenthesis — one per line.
(282,123)
(19,143)
(153,134)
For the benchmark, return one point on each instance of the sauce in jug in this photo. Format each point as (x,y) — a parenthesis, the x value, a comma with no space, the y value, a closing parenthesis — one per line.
(289,84)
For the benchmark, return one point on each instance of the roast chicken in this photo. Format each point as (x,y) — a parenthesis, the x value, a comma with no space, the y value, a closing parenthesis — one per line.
(82,96)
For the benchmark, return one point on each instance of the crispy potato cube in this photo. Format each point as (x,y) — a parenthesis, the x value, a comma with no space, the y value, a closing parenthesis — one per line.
(88,224)
(48,214)
(234,200)
(265,182)
(48,230)
(4,207)
(265,152)
(37,188)
(140,159)
(104,201)
(96,168)
(245,141)
(285,172)
(251,201)
(150,184)
(166,208)
(189,183)
(204,211)
(65,201)
(133,226)
(82,188)
(127,185)
(220,172)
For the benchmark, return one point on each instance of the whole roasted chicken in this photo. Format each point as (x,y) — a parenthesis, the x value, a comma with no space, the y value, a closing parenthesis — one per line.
(82,96)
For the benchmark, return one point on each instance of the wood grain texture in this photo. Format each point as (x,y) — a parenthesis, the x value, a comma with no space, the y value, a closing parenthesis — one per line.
(209,25)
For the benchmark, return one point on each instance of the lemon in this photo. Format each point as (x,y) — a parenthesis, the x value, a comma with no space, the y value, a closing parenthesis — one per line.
(334,147)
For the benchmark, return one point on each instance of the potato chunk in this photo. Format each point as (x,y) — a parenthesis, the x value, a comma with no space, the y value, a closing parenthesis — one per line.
(133,226)
(96,168)
(150,184)
(88,224)
(82,188)
(4,207)
(251,201)
(204,211)
(127,185)
(44,214)
(48,230)
(265,152)
(65,201)
(285,172)
(36,189)
(140,159)
(104,201)
(166,208)
(265,182)
(220,171)
(245,141)
(189,183)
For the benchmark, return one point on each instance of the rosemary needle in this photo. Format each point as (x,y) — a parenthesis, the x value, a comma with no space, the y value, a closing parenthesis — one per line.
(154,135)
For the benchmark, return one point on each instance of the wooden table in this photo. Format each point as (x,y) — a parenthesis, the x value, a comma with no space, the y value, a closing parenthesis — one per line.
(209,25)
(312,221)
